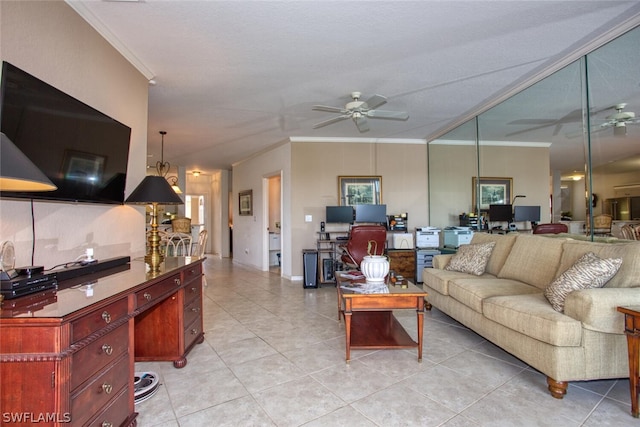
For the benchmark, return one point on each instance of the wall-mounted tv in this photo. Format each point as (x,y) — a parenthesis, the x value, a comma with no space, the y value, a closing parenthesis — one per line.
(339,214)
(526,213)
(81,150)
(371,213)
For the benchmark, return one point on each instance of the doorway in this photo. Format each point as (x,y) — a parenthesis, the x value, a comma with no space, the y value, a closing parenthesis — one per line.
(194,208)
(273,219)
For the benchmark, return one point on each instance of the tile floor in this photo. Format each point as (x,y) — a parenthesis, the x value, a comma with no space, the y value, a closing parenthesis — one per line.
(274,356)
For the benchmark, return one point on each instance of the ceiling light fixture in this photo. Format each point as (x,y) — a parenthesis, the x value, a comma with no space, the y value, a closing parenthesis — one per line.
(196,173)
(162,167)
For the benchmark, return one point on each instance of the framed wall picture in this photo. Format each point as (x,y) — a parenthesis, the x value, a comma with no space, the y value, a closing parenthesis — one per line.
(491,191)
(359,190)
(245,200)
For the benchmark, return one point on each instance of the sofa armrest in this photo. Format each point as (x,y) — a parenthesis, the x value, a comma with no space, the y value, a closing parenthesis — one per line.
(597,308)
(441,261)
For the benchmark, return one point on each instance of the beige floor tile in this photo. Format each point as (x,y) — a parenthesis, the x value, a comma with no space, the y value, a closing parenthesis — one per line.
(274,355)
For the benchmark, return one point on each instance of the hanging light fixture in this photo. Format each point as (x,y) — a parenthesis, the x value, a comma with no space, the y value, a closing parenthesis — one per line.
(163,167)
(173,180)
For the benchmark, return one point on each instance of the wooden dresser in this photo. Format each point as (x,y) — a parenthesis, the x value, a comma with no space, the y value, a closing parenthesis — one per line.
(67,356)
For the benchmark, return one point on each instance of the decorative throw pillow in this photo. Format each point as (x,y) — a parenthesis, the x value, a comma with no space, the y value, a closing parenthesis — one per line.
(590,271)
(471,259)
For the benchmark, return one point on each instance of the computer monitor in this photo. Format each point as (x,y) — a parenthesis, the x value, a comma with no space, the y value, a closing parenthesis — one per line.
(500,213)
(526,213)
(371,213)
(339,214)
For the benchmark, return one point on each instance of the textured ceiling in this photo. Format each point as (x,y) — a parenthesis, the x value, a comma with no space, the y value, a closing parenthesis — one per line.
(235,77)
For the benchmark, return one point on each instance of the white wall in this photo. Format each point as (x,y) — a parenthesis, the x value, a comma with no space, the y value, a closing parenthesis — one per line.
(50,41)
(250,233)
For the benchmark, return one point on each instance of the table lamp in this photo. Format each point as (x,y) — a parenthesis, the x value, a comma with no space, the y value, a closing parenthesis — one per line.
(17,172)
(154,190)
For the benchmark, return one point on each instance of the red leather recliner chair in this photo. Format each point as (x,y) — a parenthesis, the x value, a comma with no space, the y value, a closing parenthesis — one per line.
(359,237)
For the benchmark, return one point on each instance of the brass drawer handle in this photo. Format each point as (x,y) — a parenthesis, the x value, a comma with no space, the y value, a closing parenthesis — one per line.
(147,296)
(107,424)
(194,289)
(196,309)
(106,317)
(194,331)
(176,281)
(107,349)
(108,388)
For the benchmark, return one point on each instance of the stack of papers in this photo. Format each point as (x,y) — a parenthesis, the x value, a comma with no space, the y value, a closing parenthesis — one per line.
(353,275)
(366,288)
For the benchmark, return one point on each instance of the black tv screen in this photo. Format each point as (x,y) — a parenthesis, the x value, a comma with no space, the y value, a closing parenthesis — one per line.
(371,213)
(526,213)
(339,214)
(500,213)
(81,150)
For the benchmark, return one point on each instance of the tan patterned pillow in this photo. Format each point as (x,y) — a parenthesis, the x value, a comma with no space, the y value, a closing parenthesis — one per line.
(471,259)
(590,271)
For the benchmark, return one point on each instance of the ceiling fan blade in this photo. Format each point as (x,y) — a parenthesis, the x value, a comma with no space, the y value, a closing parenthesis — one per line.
(329,109)
(376,101)
(362,124)
(331,121)
(383,114)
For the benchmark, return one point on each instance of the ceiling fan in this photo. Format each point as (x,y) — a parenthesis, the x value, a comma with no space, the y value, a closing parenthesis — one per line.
(358,111)
(618,121)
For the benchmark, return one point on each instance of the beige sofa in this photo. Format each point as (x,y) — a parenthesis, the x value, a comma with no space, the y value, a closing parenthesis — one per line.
(507,306)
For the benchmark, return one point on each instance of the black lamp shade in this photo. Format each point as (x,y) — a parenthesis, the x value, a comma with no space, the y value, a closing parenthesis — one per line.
(154,189)
(17,172)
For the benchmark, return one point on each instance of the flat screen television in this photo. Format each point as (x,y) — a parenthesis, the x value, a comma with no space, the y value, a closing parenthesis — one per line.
(526,213)
(371,213)
(498,213)
(339,214)
(81,150)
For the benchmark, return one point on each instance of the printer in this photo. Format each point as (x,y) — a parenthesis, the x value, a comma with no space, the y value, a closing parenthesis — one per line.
(427,237)
(454,237)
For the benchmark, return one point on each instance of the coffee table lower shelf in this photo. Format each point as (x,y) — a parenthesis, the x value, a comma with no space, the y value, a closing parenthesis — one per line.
(378,330)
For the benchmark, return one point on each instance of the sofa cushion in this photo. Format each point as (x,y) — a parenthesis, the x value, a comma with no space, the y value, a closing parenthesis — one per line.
(533,259)
(590,271)
(629,274)
(500,252)
(533,316)
(438,280)
(471,258)
(472,291)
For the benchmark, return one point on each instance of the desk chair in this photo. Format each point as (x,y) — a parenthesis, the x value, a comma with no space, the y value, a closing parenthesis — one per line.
(601,225)
(359,237)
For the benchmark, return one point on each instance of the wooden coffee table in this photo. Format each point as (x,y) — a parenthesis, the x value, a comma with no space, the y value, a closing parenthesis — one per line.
(369,320)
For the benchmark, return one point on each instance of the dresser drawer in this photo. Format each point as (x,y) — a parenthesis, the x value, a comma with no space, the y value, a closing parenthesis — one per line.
(192,331)
(102,389)
(192,272)
(98,319)
(192,291)
(153,293)
(98,354)
(193,311)
(115,413)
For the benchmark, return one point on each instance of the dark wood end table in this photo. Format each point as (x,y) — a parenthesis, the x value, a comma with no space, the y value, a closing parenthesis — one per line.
(632,330)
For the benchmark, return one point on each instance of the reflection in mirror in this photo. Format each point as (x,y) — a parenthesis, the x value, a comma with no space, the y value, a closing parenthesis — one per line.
(614,97)
(556,154)
(453,161)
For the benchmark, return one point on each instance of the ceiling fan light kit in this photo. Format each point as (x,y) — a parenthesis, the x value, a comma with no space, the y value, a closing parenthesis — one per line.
(358,111)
